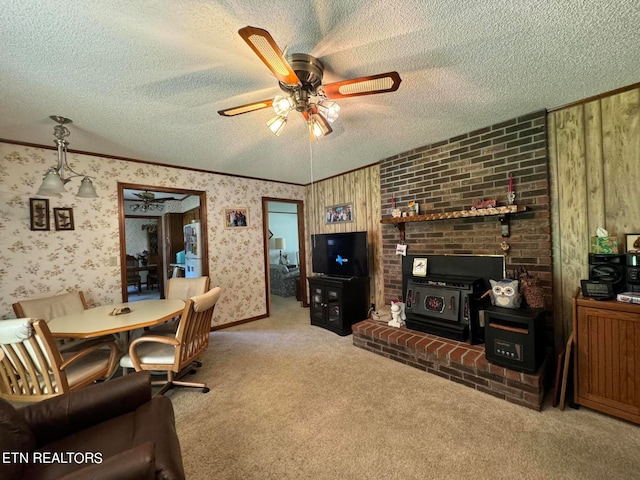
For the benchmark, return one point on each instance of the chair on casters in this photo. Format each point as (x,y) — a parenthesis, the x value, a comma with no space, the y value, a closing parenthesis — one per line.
(176,355)
(47,308)
(32,368)
(179,288)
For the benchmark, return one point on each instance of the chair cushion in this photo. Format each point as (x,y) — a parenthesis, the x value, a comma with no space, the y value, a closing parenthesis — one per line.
(181,288)
(52,307)
(154,353)
(87,366)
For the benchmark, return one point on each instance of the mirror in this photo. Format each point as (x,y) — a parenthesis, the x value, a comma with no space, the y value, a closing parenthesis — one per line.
(152,221)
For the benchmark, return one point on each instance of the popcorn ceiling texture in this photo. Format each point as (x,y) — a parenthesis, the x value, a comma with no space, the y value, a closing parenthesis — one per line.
(144,80)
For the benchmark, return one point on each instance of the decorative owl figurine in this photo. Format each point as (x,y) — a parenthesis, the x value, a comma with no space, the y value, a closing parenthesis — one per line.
(504,293)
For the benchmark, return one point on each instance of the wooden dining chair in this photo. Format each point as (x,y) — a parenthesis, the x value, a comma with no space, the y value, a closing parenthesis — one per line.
(179,288)
(46,308)
(32,367)
(176,355)
(133,276)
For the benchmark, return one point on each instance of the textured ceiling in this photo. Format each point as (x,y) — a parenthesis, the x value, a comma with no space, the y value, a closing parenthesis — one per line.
(144,80)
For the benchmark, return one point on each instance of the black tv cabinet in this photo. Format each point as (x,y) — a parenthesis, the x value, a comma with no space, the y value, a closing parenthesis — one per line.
(337,303)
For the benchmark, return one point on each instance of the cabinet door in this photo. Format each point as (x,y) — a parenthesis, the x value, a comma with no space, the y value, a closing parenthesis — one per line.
(317,303)
(608,356)
(334,306)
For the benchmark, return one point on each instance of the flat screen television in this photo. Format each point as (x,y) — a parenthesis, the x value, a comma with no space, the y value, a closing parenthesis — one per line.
(340,254)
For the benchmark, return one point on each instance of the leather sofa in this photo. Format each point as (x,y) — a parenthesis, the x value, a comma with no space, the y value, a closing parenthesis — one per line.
(110,430)
(284,281)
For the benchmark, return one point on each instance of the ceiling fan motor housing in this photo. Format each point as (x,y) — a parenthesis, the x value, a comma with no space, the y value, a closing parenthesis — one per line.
(308,69)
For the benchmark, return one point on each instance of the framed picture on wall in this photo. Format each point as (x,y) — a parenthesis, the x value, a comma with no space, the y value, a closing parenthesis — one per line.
(39,214)
(419,267)
(632,242)
(237,217)
(63,218)
(339,213)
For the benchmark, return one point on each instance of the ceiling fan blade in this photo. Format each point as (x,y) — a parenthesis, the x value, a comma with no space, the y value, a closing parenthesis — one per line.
(262,43)
(249,107)
(381,83)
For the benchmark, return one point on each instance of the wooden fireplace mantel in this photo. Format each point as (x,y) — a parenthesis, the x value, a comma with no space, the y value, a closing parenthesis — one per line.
(501,211)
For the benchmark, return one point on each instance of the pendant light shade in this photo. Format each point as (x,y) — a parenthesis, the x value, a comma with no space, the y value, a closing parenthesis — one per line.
(86,189)
(54,180)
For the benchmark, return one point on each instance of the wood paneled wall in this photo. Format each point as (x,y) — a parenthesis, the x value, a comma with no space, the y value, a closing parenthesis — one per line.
(594,151)
(362,187)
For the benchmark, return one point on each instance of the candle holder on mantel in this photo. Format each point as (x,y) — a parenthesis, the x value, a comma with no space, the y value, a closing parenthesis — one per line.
(511,198)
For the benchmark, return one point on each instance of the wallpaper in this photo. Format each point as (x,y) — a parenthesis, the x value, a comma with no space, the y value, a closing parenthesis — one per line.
(36,264)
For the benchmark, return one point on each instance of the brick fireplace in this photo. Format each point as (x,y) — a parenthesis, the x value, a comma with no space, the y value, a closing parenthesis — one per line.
(449,176)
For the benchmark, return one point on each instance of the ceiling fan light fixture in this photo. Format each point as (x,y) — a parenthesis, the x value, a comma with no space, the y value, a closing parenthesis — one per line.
(329,110)
(277,124)
(282,105)
(318,126)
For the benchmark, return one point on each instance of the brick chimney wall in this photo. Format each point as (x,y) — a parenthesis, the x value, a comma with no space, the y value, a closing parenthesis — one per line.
(450,175)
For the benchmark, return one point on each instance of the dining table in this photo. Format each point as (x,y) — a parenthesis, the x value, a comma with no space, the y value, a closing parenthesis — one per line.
(100,321)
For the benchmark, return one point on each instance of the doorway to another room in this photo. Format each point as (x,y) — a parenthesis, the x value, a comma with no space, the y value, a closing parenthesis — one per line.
(284,253)
(154,222)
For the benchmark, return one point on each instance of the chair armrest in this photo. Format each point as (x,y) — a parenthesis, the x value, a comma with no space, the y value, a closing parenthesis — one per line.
(86,351)
(60,416)
(137,463)
(135,358)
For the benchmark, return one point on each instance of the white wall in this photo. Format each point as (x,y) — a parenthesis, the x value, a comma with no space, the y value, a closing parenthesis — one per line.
(283,223)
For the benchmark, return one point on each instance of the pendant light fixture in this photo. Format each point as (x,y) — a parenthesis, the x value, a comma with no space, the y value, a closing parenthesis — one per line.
(55,179)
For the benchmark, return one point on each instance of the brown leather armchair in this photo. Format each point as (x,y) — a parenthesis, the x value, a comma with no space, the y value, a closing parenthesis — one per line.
(109,430)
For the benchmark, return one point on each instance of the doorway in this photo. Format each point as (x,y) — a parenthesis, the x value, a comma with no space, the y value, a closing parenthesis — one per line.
(151,220)
(284,252)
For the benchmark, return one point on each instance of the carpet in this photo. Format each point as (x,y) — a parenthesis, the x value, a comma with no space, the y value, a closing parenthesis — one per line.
(293,401)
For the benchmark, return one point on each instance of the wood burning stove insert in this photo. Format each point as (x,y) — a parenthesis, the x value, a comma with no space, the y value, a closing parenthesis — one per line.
(447,300)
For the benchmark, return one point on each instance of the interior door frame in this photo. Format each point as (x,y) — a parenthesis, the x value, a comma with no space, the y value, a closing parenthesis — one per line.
(121,214)
(301,249)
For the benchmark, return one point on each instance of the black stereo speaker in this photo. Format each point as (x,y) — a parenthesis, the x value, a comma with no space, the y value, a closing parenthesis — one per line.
(633,272)
(608,267)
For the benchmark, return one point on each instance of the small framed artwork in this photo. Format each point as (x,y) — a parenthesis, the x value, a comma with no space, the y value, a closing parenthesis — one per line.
(633,242)
(63,218)
(419,267)
(236,217)
(39,214)
(339,213)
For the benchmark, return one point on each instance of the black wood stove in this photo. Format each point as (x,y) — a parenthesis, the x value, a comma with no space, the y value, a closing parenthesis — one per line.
(447,300)
(446,305)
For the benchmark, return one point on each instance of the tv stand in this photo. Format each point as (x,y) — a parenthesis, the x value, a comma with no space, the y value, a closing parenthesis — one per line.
(338,302)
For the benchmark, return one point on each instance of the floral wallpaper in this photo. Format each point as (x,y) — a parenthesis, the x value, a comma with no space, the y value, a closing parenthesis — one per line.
(36,264)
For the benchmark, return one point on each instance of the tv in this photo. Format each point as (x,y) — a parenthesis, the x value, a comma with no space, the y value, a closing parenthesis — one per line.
(340,254)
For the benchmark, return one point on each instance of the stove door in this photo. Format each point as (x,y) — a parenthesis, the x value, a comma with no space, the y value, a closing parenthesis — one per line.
(436,302)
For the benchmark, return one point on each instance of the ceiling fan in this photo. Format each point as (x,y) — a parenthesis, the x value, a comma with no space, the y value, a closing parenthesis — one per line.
(300,78)
(149,202)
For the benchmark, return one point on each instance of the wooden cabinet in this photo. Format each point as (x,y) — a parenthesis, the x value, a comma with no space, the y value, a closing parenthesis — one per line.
(338,303)
(191,216)
(607,361)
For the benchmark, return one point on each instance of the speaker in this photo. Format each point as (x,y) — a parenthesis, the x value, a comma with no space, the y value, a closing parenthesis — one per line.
(633,272)
(608,267)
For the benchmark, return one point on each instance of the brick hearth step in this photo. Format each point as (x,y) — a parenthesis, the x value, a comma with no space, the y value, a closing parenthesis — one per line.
(456,361)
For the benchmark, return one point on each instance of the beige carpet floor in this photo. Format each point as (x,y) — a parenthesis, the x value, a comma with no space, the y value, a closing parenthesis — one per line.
(292,401)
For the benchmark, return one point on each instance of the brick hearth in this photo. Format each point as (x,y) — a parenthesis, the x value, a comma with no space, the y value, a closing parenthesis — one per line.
(457,361)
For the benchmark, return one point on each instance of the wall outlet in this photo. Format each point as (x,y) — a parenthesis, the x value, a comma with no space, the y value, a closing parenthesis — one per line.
(373,307)
(113,261)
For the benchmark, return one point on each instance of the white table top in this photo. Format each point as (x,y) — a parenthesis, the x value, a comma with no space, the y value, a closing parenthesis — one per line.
(96,322)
